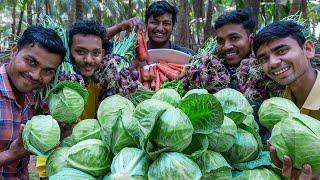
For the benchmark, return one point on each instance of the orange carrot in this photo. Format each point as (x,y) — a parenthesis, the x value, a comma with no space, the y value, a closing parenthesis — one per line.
(167,71)
(158,83)
(142,50)
(152,73)
(175,67)
(162,76)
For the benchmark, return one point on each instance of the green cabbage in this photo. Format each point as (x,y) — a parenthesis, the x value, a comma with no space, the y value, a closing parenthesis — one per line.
(298,137)
(174,165)
(90,156)
(222,139)
(57,161)
(195,91)
(86,129)
(41,134)
(198,145)
(130,163)
(204,111)
(168,95)
(66,101)
(250,121)
(214,166)
(70,173)
(234,104)
(259,173)
(246,147)
(274,110)
(68,141)
(118,127)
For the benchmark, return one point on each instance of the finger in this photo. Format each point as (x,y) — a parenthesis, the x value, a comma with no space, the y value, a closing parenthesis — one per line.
(306,172)
(287,166)
(273,154)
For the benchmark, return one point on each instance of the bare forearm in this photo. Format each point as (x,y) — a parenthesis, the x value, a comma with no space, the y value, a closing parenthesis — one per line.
(7,158)
(113,30)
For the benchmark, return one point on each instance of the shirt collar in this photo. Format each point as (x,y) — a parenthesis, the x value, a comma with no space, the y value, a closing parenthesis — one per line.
(313,101)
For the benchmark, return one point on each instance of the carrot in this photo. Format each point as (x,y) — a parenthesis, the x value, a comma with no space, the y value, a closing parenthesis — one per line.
(162,76)
(167,71)
(142,50)
(175,67)
(146,84)
(158,83)
(152,73)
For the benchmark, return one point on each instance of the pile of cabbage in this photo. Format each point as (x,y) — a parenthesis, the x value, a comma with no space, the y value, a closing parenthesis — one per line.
(165,136)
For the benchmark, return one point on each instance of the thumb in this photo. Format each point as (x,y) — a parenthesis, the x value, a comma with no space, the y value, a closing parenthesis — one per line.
(306,172)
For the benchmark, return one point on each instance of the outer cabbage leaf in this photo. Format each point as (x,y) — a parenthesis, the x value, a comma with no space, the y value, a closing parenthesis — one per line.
(168,95)
(223,138)
(90,156)
(299,138)
(41,134)
(130,163)
(214,166)
(198,145)
(234,104)
(250,121)
(276,109)
(259,173)
(195,91)
(66,101)
(57,161)
(70,173)
(174,165)
(204,111)
(118,127)
(68,141)
(86,129)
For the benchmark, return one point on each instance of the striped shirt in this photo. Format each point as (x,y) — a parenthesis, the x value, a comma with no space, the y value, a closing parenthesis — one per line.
(11,116)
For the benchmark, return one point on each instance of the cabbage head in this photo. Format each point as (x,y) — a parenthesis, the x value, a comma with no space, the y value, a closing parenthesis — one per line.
(90,156)
(246,147)
(214,166)
(57,161)
(299,138)
(198,145)
(41,134)
(195,91)
(118,127)
(71,173)
(173,130)
(251,122)
(86,129)
(130,163)
(274,110)
(174,165)
(168,95)
(66,101)
(259,173)
(234,104)
(222,139)
(68,141)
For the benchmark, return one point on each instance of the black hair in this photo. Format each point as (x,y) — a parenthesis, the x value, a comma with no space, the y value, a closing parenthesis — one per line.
(159,8)
(86,27)
(276,30)
(241,16)
(44,37)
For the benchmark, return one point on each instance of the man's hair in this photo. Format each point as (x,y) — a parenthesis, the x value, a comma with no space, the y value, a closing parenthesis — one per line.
(159,8)
(86,27)
(276,30)
(242,16)
(44,37)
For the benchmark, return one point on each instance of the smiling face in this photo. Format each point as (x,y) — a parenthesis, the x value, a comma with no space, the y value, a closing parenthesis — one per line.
(233,43)
(31,67)
(87,53)
(284,61)
(160,28)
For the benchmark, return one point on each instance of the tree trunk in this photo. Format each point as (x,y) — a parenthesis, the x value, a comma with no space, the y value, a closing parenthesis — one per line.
(147,4)
(295,6)
(29,13)
(304,7)
(48,7)
(198,11)
(130,9)
(183,28)
(79,10)
(254,6)
(20,22)
(208,28)
(13,25)
(99,13)
(71,14)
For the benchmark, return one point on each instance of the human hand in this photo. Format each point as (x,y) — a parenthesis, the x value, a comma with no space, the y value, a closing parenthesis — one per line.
(287,170)
(127,25)
(16,147)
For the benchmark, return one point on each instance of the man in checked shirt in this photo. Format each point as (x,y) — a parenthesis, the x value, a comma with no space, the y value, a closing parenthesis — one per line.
(32,65)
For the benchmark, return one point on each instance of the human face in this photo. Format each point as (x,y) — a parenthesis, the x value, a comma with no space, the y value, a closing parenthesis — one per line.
(233,43)
(87,53)
(284,61)
(31,67)
(160,28)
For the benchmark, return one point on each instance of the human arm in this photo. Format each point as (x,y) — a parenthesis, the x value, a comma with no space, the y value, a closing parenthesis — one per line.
(288,171)
(15,152)
(123,26)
